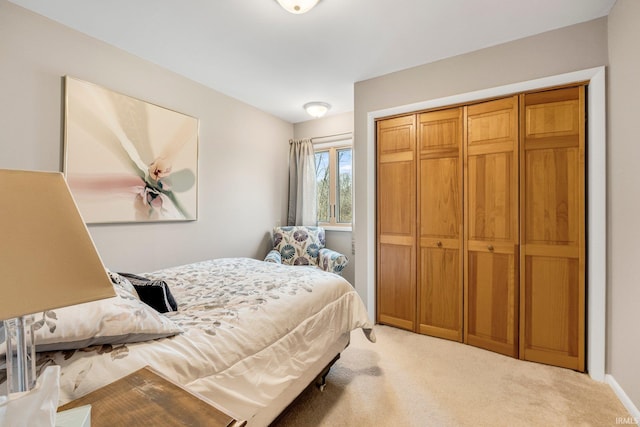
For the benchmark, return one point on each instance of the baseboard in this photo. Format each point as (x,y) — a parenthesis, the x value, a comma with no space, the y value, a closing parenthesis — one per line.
(626,401)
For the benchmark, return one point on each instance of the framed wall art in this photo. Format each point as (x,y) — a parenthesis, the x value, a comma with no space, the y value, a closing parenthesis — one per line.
(127,160)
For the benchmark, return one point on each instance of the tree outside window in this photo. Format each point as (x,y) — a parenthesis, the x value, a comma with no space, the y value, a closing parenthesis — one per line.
(334,179)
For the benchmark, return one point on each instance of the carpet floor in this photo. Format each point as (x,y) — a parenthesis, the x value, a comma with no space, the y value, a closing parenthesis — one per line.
(407,379)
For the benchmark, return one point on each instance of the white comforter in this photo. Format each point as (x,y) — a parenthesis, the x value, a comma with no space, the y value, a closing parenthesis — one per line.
(250,327)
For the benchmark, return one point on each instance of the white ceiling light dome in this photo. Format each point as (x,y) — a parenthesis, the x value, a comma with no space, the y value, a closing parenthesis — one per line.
(298,6)
(317,109)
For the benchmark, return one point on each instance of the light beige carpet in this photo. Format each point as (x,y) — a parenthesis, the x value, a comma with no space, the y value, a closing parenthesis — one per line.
(406,379)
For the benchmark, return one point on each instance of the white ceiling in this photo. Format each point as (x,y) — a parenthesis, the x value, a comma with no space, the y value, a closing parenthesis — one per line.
(255,51)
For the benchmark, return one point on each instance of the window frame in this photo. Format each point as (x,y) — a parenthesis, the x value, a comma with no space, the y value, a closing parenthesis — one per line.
(332,147)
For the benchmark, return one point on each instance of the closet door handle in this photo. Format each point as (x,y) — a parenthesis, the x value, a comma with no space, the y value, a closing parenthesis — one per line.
(490,247)
(439,244)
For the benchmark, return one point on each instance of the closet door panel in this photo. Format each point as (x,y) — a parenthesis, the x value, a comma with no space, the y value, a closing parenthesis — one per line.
(396,291)
(440,131)
(553,228)
(491,226)
(396,222)
(492,302)
(440,204)
(439,304)
(552,189)
(551,287)
(492,194)
(396,135)
(440,223)
(492,126)
(395,197)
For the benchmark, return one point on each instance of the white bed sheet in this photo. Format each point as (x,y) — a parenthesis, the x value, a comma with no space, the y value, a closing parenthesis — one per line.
(251,329)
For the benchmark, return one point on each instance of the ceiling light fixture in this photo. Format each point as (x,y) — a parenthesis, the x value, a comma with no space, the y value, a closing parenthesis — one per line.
(317,109)
(298,6)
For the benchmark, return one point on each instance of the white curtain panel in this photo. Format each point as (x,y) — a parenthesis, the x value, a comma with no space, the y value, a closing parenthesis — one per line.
(302,183)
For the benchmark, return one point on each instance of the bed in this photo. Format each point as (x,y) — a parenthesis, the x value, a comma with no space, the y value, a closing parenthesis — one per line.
(248,335)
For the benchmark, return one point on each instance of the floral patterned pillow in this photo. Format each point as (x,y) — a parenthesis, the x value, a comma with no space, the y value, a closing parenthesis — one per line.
(299,245)
(117,320)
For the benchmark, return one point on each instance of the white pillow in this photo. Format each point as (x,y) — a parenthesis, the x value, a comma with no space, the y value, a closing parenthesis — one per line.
(117,320)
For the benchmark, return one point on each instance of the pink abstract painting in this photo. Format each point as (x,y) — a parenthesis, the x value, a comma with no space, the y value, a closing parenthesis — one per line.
(127,160)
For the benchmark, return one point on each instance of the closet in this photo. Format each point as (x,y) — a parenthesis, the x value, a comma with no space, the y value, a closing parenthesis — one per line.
(481,224)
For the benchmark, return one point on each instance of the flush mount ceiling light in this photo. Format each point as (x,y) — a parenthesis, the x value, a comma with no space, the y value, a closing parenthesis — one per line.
(297,6)
(317,109)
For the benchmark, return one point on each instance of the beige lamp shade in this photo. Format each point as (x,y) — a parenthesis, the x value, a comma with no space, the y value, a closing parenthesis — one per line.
(47,257)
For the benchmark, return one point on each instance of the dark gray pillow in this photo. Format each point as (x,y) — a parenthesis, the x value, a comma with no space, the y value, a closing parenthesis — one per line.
(154,293)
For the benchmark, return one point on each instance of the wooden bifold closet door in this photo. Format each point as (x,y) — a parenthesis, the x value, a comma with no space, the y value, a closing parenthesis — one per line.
(396,222)
(491,226)
(552,181)
(440,218)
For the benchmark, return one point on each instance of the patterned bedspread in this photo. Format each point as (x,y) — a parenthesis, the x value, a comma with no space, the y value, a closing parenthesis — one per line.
(250,327)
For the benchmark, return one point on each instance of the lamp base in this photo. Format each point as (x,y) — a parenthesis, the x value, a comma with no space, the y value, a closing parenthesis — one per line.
(21,354)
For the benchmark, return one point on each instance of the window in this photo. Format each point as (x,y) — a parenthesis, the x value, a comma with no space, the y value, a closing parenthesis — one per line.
(334,183)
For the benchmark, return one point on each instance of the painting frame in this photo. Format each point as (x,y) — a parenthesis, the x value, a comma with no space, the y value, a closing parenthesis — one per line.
(127,160)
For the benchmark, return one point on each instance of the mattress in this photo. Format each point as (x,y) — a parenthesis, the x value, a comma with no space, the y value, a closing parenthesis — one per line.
(251,329)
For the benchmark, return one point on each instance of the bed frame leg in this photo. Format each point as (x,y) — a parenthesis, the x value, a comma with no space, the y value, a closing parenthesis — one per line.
(321,383)
(321,380)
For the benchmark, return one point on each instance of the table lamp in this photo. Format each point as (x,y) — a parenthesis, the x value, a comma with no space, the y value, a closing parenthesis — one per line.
(47,261)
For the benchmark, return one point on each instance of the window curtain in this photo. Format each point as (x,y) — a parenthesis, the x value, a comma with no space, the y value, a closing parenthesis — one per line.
(302,183)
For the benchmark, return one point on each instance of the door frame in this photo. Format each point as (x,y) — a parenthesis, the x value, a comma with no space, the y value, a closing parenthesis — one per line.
(596,274)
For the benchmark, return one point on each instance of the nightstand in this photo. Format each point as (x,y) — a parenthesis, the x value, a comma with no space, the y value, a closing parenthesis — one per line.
(146,397)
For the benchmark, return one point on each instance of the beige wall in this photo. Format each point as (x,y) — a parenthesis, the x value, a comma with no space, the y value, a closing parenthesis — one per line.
(332,125)
(623,338)
(243,153)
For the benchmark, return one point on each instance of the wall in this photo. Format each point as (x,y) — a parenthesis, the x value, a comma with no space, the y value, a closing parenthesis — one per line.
(332,125)
(242,184)
(624,203)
